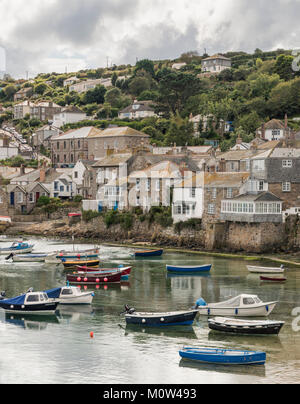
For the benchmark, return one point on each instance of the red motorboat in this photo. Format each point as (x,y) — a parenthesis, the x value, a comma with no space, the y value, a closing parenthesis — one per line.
(86,278)
(272,279)
(125,271)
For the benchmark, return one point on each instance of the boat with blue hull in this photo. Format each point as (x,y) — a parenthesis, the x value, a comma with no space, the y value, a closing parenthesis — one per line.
(223,356)
(159,319)
(145,254)
(29,303)
(188,269)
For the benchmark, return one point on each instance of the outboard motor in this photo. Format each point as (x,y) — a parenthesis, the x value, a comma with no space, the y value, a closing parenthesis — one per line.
(128,310)
(200,303)
(9,256)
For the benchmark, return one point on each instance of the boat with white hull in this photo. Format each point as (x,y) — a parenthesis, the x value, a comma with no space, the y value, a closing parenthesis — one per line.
(265,270)
(70,295)
(240,306)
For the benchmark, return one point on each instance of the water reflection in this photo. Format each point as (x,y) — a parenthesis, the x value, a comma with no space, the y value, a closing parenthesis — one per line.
(186,332)
(248,370)
(31,322)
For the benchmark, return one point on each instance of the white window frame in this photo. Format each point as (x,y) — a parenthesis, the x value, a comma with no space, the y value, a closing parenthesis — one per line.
(211,209)
(286,187)
(287,163)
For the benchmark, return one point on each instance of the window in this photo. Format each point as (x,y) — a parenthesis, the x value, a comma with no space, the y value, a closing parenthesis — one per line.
(211,209)
(61,188)
(229,193)
(214,193)
(33,298)
(248,300)
(261,185)
(31,197)
(67,292)
(138,184)
(19,197)
(79,144)
(157,185)
(76,174)
(287,163)
(55,186)
(57,145)
(276,134)
(177,209)
(148,184)
(286,187)
(65,144)
(193,193)
(258,165)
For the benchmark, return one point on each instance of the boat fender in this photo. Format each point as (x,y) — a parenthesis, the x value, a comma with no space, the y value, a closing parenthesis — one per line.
(236,312)
(200,303)
(267,308)
(93,294)
(143,321)
(208,312)
(162,319)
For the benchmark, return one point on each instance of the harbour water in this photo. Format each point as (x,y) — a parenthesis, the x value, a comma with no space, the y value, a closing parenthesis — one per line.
(59,349)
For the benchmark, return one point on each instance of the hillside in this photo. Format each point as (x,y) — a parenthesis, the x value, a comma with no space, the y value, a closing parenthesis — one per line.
(258,87)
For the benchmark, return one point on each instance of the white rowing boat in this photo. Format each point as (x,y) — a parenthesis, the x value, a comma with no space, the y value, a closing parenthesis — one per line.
(266,270)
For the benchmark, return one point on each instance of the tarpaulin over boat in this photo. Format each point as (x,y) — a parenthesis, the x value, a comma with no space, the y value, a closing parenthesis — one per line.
(53,293)
(19,300)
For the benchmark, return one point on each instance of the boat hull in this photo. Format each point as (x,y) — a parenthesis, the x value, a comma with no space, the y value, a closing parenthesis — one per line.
(188,269)
(262,270)
(74,264)
(29,258)
(223,357)
(271,279)
(161,319)
(45,308)
(259,311)
(85,298)
(267,329)
(145,254)
(95,279)
(6,251)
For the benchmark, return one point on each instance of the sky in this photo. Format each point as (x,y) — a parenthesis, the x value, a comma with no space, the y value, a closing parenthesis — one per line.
(44,36)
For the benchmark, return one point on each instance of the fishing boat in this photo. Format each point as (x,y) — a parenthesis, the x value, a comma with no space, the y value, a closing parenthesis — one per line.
(149,253)
(17,247)
(272,279)
(74,263)
(237,326)
(57,256)
(94,279)
(159,319)
(70,295)
(265,270)
(188,269)
(240,306)
(27,257)
(223,356)
(29,303)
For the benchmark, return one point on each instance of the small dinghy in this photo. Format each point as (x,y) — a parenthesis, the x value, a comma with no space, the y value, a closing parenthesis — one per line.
(74,263)
(29,303)
(223,356)
(234,326)
(188,269)
(272,279)
(94,278)
(240,306)
(27,257)
(17,247)
(265,270)
(159,319)
(57,256)
(149,253)
(70,295)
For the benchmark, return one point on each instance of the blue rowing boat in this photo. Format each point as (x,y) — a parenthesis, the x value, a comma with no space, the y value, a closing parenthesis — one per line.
(223,356)
(188,269)
(149,253)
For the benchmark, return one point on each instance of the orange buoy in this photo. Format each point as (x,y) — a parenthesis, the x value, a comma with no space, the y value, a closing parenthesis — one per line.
(91,334)
(105,279)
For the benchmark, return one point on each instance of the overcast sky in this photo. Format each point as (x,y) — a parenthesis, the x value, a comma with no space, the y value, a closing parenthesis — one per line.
(50,35)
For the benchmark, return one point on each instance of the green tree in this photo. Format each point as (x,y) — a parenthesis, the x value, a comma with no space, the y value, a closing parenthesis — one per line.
(181,131)
(95,95)
(146,65)
(283,67)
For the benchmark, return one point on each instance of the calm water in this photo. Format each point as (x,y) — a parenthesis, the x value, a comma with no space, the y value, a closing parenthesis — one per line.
(59,349)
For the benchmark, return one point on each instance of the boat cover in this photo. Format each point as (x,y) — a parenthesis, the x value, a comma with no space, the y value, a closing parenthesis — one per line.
(19,300)
(53,293)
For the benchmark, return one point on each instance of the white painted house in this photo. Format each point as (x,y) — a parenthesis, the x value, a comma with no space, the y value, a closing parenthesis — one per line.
(70,114)
(188,199)
(62,187)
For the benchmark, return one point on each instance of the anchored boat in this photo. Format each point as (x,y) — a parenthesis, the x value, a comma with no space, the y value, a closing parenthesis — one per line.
(240,306)
(149,253)
(74,263)
(70,295)
(188,269)
(29,303)
(265,270)
(159,319)
(94,278)
(236,326)
(223,356)
(27,257)
(17,247)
